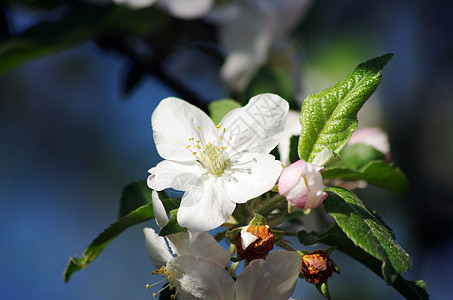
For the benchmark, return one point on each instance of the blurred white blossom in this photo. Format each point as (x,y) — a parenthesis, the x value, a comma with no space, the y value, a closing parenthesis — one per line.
(248,30)
(184,9)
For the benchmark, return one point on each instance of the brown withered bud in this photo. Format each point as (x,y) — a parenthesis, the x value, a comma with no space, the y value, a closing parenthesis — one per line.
(317,267)
(254,242)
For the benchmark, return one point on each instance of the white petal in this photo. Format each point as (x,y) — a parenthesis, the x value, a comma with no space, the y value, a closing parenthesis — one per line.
(256,127)
(203,245)
(239,68)
(174,122)
(171,174)
(250,176)
(157,248)
(205,207)
(292,127)
(199,278)
(187,9)
(271,279)
(247,238)
(159,210)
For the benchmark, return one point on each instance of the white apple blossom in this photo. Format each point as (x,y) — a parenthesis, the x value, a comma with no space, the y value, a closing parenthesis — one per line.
(217,166)
(198,270)
(248,29)
(301,184)
(272,278)
(184,9)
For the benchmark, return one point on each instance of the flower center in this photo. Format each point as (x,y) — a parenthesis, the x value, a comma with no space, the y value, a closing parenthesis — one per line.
(212,155)
(167,277)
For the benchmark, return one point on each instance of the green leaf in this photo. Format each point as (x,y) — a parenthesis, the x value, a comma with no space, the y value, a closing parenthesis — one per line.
(81,23)
(218,109)
(358,155)
(376,172)
(134,195)
(293,145)
(137,216)
(334,236)
(172,225)
(329,117)
(367,232)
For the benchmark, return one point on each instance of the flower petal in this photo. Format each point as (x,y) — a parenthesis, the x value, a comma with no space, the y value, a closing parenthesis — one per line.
(174,121)
(171,174)
(256,127)
(200,278)
(205,207)
(159,210)
(271,279)
(187,9)
(302,185)
(203,245)
(157,248)
(292,127)
(250,176)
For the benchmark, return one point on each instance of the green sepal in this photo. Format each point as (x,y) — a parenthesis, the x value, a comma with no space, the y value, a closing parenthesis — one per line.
(329,117)
(172,225)
(232,235)
(323,288)
(141,214)
(258,220)
(218,109)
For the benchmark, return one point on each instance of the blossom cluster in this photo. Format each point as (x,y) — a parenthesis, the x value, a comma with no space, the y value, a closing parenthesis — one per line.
(219,167)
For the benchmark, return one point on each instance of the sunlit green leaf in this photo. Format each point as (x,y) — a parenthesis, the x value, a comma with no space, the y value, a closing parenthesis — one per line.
(329,117)
(367,232)
(377,172)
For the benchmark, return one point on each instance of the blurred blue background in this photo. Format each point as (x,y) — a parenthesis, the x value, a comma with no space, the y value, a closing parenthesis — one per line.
(71,141)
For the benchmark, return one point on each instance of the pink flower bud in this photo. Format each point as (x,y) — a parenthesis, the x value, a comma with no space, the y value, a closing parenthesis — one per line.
(301,184)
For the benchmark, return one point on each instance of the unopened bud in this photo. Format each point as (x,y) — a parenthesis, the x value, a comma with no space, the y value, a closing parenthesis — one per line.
(254,242)
(301,184)
(317,267)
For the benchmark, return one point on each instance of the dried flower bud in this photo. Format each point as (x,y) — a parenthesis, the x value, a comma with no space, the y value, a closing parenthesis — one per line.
(254,242)
(317,267)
